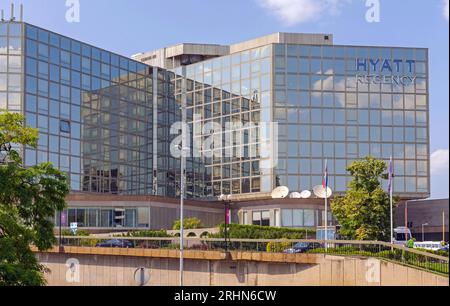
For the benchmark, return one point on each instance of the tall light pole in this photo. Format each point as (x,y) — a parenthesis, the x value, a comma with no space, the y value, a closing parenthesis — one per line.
(423,231)
(182,216)
(184,149)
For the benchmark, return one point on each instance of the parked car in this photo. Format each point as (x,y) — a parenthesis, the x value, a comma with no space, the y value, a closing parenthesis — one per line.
(302,247)
(116,243)
(444,248)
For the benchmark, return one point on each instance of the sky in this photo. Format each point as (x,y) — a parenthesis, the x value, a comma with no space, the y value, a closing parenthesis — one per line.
(133,26)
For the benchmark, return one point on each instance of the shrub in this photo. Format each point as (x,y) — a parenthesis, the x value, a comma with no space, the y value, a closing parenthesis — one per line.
(199,247)
(172,246)
(91,243)
(80,233)
(189,223)
(236,231)
(278,247)
(145,234)
(440,253)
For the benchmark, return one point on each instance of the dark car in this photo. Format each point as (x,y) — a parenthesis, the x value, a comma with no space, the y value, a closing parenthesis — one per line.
(302,247)
(444,248)
(116,243)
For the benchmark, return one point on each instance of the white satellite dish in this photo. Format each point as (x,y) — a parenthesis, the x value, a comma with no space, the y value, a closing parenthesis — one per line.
(320,192)
(295,195)
(306,194)
(280,193)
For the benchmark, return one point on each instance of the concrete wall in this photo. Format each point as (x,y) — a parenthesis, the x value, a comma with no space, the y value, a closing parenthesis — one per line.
(315,270)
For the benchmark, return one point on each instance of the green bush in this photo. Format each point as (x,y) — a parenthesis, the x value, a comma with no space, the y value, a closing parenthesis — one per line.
(189,223)
(80,233)
(236,231)
(172,246)
(90,243)
(145,234)
(440,253)
(278,247)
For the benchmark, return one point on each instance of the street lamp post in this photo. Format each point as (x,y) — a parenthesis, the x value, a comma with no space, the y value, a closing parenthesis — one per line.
(226,200)
(182,196)
(423,231)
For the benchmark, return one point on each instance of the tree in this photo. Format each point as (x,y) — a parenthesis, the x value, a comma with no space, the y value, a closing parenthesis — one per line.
(29,198)
(364,212)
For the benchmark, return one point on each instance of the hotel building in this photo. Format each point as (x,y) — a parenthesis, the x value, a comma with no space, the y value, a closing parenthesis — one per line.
(296,99)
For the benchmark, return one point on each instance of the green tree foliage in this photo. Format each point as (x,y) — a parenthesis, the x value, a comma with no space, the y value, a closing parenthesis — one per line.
(29,198)
(364,212)
(189,223)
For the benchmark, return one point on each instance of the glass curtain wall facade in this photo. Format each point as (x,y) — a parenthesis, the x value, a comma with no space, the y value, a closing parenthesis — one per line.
(107,217)
(94,111)
(327,109)
(335,103)
(106,120)
(11,67)
(230,91)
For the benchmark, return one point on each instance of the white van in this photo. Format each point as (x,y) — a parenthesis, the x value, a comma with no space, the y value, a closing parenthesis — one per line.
(402,235)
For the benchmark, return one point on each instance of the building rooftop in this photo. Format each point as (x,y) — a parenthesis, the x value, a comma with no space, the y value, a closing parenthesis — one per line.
(190,53)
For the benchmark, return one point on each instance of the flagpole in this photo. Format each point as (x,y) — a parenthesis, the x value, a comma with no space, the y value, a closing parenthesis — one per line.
(391,191)
(326,204)
(391,196)
(326,219)
(443,227)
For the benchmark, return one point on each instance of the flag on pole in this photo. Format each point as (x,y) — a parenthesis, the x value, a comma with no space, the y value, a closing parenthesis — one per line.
(325,177)
(391,175)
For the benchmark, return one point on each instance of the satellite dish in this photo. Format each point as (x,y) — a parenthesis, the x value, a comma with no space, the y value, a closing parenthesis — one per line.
(224,197)
(280,193)
(320,192)
(306,194)
(295,195)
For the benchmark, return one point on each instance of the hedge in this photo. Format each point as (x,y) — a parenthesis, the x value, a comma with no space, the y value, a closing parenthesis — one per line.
(236,231)
(146,234)
(278,247)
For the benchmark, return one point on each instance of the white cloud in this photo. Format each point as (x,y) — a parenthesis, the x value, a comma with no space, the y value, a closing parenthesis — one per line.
(446,9)
(439,162)
(292,12)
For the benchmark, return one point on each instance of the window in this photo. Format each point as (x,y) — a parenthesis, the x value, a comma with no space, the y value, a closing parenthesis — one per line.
(261,218)
(64,126)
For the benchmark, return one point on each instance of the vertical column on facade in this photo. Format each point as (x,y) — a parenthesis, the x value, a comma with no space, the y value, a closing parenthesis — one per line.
(274,140)
(155,130)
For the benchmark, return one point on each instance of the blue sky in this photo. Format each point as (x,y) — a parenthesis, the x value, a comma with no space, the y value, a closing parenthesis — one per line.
(132,26)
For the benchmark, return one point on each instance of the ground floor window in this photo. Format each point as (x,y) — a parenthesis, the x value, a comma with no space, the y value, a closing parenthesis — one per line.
(261,218)
(138,217)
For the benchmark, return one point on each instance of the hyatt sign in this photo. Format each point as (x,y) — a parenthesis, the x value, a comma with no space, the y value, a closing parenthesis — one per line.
(371,71)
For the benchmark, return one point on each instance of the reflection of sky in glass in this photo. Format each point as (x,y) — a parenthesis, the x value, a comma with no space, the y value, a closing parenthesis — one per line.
(326,113)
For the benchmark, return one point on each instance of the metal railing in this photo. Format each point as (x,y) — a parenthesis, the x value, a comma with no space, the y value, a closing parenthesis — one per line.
(372,249)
